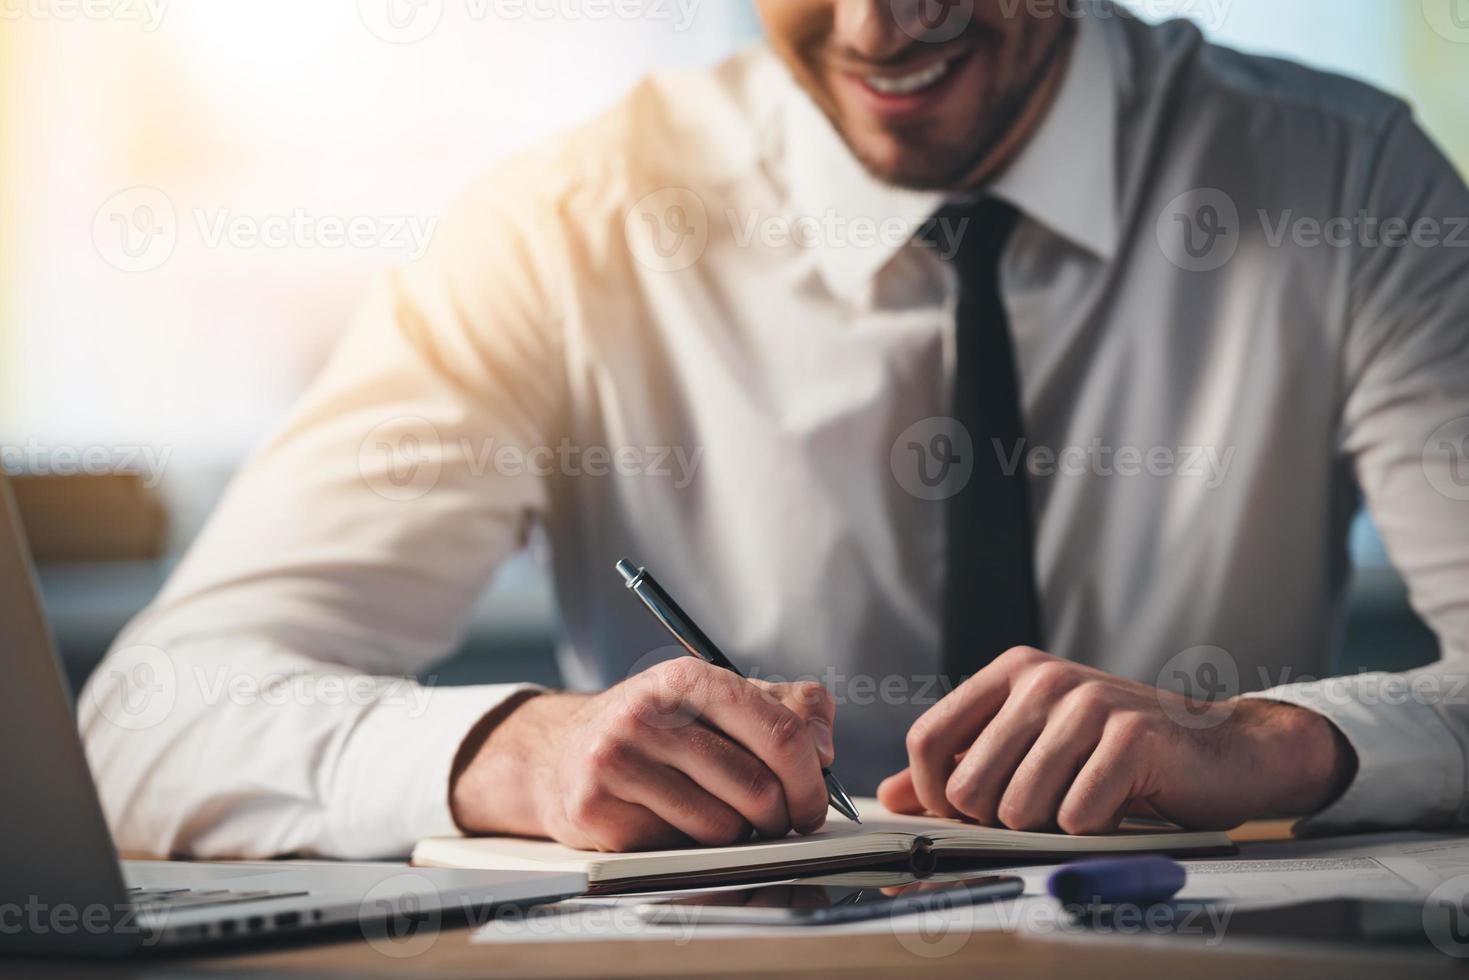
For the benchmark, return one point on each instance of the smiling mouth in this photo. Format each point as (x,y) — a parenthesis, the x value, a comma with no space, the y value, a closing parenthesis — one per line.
(911,83)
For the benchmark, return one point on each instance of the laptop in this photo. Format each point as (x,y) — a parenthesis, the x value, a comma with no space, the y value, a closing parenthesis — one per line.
(64,891)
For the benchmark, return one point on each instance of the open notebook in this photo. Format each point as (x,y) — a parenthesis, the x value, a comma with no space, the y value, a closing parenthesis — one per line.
(883,840)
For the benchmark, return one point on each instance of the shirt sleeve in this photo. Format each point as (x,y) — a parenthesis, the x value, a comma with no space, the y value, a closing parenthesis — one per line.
(1405,429)
(260,705)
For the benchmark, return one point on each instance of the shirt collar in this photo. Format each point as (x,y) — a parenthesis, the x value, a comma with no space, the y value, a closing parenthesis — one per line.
(1076,200)
(1066,177)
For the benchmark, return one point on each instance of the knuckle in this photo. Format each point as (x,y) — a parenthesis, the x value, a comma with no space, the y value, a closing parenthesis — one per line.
(1049,679)
(814,696)
(1087,694)
(657,710)
(920,739)
(636,713)
(1084,711)
(764,801)
(608,752)
(787,732)
(633,709)
(960,788)
(680,673)
(1023,656)
(653,686)
(1132,729)
(762,788)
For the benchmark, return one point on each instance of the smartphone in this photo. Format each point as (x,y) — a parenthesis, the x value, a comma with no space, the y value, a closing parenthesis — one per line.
(810,905)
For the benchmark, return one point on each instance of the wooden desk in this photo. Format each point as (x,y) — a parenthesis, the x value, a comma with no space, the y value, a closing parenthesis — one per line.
(448,953)
(982,955)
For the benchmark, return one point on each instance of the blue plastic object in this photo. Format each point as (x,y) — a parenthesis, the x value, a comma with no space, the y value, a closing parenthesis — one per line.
(1118,881)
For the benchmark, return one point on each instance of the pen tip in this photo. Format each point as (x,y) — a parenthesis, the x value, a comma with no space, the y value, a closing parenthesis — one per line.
(838,798)
(627,570)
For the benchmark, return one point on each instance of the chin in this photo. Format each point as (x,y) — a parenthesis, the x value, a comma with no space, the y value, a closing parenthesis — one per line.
(913,165)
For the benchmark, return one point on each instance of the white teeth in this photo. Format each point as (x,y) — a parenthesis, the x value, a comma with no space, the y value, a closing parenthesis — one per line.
(908,84)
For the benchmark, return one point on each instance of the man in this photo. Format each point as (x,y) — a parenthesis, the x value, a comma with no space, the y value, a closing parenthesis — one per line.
(1091,439)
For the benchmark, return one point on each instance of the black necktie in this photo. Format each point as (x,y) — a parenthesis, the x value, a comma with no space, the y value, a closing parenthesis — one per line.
(991,602)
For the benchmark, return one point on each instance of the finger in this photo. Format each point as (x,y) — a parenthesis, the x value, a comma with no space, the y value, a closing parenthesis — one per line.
(597,815)
(1098,798)
(949,727)
(979,780)
(896,793)
(726,770)
(681,803)
(813,702)
(606,823)
(808,699)
(773,733)
(1033,798)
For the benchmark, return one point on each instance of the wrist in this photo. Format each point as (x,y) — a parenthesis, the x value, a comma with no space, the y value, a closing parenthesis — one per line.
(493,789)
(1305,761)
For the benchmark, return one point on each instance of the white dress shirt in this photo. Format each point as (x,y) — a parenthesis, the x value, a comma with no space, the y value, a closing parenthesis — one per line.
(695,332)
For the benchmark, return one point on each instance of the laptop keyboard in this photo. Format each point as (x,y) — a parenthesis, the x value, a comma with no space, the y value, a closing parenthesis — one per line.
(168,899)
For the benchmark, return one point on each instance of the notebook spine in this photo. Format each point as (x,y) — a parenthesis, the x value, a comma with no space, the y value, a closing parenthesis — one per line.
(921,859)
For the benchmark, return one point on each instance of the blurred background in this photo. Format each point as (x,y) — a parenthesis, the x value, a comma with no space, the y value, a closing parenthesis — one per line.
(194,195)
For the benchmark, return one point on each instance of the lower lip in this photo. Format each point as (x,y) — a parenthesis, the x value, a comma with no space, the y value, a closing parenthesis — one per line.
(896,107)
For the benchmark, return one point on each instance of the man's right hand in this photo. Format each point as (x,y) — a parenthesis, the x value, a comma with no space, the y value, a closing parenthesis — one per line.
(681,753)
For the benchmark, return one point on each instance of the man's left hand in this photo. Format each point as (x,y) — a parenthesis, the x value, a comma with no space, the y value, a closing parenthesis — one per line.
(1033,742)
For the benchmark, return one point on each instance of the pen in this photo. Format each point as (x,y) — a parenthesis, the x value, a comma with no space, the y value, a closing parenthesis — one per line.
(692,639)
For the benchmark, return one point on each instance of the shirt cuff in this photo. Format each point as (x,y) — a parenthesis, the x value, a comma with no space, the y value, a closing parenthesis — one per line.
(1410,767)
(391,784)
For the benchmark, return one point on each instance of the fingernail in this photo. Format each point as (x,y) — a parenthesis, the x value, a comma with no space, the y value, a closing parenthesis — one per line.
(821,733)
